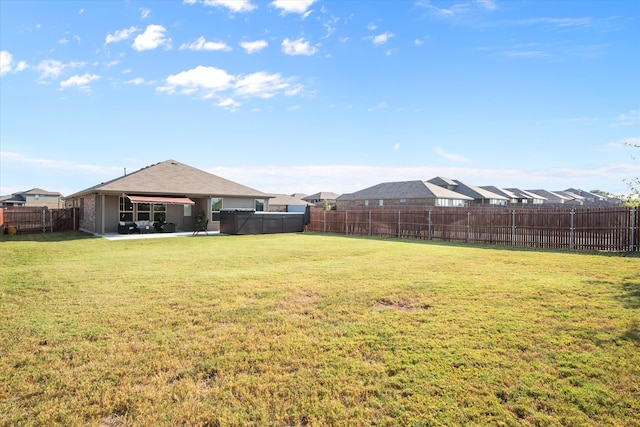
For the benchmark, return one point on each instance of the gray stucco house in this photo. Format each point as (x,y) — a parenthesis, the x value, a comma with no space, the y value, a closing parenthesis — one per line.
(168,192)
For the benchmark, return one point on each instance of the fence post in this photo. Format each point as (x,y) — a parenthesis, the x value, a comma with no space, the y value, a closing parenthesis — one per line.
(572,232)
(44,221)
(513,227)
(429,219)
(399,232)
(324,221)
(370,223)
(51,220)
(633,228)
(346,222)
(468,227)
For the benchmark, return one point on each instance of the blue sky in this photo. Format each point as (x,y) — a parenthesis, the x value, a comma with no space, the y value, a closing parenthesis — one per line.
(304,96)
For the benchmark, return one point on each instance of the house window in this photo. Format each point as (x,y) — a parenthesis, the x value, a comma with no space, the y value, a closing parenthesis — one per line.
(216,207)
(144,212)
(403,200)
(366,203)
(126,209)
(380,202)
(160,212)
(259,205)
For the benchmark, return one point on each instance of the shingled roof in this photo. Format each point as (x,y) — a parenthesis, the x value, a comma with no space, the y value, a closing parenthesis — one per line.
(404,190)
(173,178)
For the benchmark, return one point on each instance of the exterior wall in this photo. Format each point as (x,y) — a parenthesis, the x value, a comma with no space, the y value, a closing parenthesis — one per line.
(240,203)
(87,205)
(373,203)
(111,212)
(52,202)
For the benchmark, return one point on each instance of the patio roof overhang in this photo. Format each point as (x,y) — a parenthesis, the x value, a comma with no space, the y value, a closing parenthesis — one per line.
(161,199)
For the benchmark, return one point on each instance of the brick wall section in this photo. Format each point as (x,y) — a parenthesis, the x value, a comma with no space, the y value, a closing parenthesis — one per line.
(88,214)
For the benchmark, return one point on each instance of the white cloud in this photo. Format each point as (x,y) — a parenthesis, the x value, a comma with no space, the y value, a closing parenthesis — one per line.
(372,27)
(233,5)
(202,80)
(450,156)
(79,81)
(254,46)
(52,69)
(559,22)
(396,147)
(144,13)
(120,35)
(381,39)
(488,4)
(229,104)
(5,62)
(293,6)
(298,47)
(627,119)
(261,85)
(153,37)
(202,44)
(138,81)
(22,65)
(210,82)
(63,40)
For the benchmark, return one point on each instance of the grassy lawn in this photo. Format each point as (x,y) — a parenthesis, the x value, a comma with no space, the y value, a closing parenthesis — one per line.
(303,329)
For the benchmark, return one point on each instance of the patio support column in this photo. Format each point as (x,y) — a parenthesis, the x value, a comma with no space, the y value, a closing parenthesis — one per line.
(102,213)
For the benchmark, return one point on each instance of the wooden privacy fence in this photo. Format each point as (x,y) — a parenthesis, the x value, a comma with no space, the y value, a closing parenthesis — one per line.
(40,220)
(589,229)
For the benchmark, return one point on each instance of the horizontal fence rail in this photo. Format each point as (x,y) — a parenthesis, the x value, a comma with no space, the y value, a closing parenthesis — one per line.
(40,220)
(586,229)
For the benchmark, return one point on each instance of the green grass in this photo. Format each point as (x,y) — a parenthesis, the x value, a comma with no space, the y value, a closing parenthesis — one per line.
(303,329)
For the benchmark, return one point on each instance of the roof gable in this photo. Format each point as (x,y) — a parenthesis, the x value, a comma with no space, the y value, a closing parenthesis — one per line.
(174,178)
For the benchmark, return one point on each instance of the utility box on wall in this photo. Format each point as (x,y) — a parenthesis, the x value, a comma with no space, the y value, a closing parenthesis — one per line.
(238,221)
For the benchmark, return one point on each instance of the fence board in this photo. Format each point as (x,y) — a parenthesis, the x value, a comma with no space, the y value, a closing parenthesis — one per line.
(585,229)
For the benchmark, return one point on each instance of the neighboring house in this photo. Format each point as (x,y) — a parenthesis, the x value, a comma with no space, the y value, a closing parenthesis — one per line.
(286,203)
(479,195)
(550,196)
(513,198)
(318,198)
(169,192)
(404,193)
(525,197)
(590,197)
(573,198)
(35,197)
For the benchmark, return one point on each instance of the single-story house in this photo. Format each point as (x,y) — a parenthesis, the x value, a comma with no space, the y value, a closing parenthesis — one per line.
(525,197)
(318,199)
(36,197)
(168,193)
(286,203)
(479,195)
(550,196)
(404,193)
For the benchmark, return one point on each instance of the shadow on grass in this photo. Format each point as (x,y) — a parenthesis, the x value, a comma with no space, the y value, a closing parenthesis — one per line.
(631,296)
(461,244)
(56,236)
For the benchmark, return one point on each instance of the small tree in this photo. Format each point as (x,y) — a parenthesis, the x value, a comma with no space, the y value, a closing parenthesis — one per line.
(325,205)
(634,183)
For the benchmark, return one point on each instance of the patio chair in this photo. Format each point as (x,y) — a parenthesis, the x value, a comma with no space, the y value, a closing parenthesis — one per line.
(201,227)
